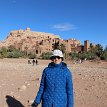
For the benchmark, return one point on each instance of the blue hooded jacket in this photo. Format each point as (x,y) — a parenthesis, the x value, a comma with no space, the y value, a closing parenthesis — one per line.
(56,88)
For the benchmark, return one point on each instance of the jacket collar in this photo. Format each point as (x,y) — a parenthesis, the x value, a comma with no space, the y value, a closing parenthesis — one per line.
(62,64)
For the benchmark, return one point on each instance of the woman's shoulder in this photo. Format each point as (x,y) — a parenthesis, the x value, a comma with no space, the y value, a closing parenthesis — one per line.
(46,69)
(65,67)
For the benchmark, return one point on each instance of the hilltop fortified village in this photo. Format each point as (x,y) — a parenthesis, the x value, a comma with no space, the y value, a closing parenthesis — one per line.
(39,42)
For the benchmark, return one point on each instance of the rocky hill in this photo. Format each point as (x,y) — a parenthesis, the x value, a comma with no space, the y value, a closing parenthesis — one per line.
(29,40)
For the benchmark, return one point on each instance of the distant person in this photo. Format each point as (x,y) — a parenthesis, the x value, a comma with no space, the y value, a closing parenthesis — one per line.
(80,61)
(56,87)
(29,62)
(33,62)
(36,62)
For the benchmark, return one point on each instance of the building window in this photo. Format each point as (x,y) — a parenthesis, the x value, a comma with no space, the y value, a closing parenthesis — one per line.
(36,51)
(18,35)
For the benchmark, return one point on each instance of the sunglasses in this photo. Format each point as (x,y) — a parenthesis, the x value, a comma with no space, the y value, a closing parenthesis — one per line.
(54,57)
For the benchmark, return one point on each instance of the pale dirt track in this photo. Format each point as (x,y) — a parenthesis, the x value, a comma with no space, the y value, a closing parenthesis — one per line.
(21,80)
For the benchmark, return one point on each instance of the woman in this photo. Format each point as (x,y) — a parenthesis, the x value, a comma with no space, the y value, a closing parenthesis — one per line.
(56,88)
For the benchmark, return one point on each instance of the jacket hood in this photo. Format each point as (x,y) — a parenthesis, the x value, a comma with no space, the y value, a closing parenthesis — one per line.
(52,64)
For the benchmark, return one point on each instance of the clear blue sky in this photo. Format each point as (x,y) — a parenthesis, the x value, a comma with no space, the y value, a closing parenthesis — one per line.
(79,19)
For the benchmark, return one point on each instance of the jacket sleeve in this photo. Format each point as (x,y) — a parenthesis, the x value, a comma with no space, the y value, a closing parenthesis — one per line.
(70,96)
(41,89)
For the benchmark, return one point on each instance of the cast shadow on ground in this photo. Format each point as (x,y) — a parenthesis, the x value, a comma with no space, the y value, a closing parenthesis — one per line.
(12,102)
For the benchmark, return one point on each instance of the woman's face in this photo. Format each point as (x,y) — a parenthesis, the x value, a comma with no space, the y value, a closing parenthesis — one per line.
(57,59)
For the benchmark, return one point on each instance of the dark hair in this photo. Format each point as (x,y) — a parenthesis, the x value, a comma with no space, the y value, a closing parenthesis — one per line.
(62,58)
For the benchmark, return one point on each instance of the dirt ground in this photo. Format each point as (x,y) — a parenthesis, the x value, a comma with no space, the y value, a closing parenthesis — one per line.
(19,82)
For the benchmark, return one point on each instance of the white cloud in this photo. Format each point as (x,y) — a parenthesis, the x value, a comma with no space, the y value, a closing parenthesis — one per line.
(64,27)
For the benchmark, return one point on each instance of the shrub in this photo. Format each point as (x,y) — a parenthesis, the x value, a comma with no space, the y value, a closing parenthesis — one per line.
(13,54)
(104,56)
(31,55)
(46,55)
